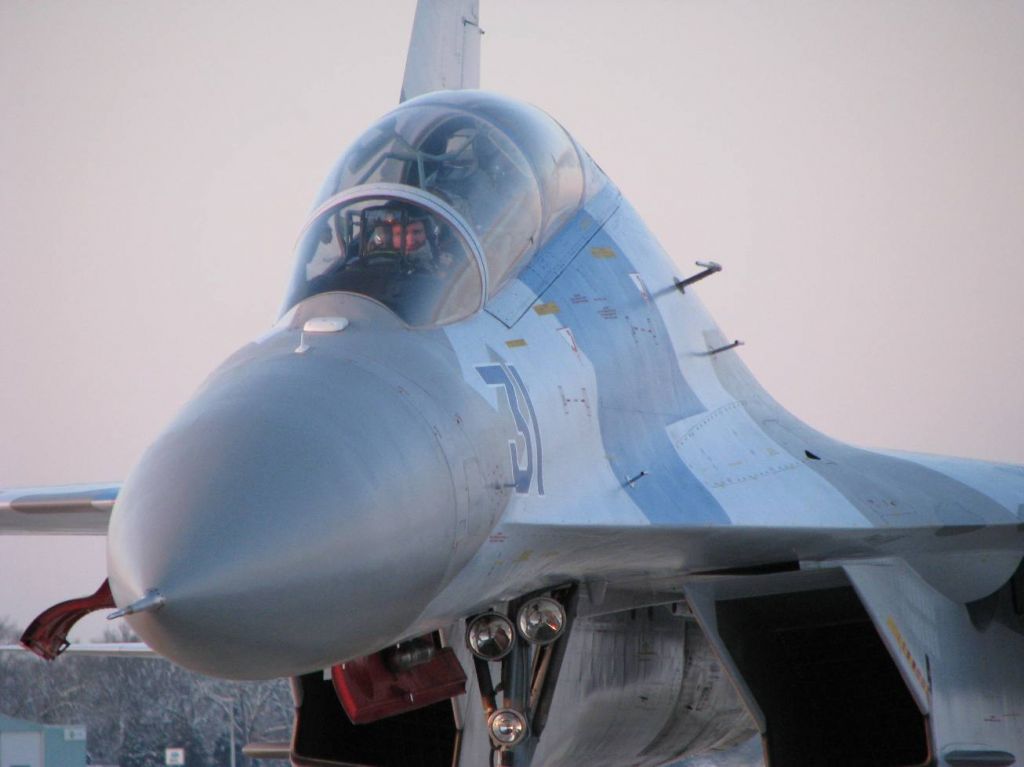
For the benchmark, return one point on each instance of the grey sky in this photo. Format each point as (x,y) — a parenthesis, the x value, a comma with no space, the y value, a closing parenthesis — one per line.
(857,167)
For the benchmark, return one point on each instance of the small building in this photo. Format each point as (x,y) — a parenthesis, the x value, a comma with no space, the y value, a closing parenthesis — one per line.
(30,744)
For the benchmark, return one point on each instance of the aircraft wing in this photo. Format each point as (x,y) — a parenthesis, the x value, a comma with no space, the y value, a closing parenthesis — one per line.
(444,51)
(98,649)
(60,510)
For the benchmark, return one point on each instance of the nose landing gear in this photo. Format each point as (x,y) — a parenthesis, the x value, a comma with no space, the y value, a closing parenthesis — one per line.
(530,659)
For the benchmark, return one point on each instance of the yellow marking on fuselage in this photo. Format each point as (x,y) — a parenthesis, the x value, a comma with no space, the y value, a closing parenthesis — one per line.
(902,644)
(599,252)
(549,308)
(515,343)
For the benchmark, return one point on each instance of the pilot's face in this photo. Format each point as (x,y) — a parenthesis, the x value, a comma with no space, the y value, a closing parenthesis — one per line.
(415,236)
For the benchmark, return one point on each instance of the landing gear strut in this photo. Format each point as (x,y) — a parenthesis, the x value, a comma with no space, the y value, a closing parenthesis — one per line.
(529,642)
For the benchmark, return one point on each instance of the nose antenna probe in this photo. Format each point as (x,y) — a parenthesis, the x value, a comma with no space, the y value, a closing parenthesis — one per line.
(151,602)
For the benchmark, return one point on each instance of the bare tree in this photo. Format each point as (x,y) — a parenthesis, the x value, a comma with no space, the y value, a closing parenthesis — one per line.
(134,708)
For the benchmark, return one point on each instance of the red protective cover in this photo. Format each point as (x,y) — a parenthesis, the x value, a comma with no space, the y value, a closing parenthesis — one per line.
(47,635)
(369,690)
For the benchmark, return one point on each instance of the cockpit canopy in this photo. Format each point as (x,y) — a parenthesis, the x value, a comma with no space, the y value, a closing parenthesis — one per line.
(453,160)
(411,255)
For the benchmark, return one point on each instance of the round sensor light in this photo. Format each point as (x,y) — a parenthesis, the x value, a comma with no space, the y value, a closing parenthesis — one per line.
(490,636)
(507,727)
(541,620)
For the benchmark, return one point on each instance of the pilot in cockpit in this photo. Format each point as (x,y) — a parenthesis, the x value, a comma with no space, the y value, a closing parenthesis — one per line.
(422,248)
(413,242)
(410,237)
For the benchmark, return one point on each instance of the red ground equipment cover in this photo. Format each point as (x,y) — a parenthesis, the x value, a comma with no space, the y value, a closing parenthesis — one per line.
(369,690)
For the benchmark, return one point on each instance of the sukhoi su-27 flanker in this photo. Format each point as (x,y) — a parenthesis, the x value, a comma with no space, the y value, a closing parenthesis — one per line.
(496,488)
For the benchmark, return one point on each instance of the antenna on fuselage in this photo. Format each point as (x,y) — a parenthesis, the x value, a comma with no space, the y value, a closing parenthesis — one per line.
(709,268)
(724,348)
(444,50)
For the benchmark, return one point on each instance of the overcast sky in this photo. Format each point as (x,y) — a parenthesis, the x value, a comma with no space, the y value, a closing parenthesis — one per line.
(857,167)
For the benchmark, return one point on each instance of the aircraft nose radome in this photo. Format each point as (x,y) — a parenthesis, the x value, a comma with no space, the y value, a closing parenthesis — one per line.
(297,512)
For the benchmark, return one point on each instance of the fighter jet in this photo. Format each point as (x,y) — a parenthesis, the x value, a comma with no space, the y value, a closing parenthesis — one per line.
(496,488)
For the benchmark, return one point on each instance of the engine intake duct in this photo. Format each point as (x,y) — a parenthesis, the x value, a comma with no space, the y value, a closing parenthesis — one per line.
(811,658)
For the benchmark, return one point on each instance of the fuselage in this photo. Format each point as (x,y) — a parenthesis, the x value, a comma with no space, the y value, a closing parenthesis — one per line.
(553,410)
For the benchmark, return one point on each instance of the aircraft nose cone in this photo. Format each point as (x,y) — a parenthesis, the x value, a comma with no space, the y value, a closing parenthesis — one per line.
(299,511)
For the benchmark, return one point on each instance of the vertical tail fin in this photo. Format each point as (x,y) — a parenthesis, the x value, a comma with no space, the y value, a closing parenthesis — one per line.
(444,51)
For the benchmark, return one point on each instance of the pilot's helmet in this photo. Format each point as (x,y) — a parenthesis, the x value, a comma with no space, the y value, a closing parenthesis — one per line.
(417,230)
(419,217)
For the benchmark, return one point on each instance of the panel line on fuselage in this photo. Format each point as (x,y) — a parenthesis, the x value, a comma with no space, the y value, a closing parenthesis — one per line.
(613,325)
